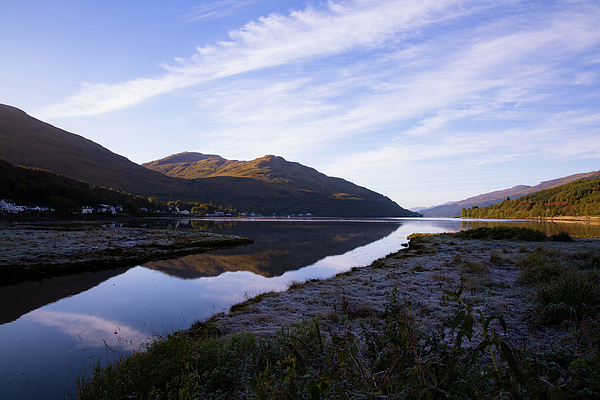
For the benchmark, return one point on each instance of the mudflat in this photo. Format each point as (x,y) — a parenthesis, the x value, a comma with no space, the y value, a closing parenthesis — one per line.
(35,252)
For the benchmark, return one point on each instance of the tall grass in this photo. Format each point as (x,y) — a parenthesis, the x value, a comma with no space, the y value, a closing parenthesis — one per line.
(571,297)
(387,358)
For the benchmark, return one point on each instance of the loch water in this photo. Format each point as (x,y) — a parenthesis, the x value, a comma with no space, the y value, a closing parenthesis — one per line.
(56,330)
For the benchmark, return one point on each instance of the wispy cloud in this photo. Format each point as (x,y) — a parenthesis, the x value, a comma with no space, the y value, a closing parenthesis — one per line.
(270,41)
(217,9)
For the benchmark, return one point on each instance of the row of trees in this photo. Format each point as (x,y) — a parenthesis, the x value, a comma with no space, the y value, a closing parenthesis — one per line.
(580,198)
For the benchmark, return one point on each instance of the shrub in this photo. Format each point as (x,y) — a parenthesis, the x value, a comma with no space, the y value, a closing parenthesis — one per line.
(503,233)
(561,237)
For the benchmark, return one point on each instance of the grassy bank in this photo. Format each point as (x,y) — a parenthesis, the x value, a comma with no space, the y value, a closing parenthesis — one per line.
(37,252)
(498,313)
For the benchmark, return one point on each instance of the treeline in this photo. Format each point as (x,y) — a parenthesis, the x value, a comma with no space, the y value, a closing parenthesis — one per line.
(580,198)
(37,187)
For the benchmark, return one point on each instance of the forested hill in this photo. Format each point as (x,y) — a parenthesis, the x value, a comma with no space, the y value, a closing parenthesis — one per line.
(580,198)
(453,209)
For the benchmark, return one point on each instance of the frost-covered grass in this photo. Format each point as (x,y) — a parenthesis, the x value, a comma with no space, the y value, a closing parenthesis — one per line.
(35,252)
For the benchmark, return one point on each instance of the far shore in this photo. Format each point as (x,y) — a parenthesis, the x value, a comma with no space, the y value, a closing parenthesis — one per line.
(573,219)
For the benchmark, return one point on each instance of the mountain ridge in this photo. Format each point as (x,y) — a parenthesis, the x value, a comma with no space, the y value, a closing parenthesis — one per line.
(269,171)
(267,185)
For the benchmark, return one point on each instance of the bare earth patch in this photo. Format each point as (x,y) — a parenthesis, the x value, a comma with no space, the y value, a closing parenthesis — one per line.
(433,263)
(34,252)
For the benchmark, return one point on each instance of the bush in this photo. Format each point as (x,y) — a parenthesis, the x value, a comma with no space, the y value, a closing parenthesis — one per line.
(503,233)
(561,237)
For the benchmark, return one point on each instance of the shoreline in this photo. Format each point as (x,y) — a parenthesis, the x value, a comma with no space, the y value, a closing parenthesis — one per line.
(29,252)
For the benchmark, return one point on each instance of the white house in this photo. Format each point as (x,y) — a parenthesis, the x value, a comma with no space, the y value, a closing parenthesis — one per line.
(105,208)
(7,205)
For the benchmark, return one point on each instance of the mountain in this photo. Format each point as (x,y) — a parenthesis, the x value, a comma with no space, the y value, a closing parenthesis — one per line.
(453,209)
(30,142)
(273,179)
(267,185)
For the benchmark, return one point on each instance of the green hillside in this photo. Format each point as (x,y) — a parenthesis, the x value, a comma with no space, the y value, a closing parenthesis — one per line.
(576,199)
(453,209)
(268,185)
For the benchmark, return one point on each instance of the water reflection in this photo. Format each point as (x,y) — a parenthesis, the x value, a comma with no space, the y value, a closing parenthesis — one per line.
(279,246)
(19,299)
(88,330)
(573,228)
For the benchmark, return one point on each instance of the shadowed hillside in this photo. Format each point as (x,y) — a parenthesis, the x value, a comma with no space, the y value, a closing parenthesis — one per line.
(30,142)
(266,185)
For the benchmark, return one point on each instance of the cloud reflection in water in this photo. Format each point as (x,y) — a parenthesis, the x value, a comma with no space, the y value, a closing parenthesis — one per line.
(89,330)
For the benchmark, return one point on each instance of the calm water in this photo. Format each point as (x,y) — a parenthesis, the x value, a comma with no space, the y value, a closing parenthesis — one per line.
(54,330)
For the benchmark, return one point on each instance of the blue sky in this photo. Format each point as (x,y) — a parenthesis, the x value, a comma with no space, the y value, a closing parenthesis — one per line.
(423,101)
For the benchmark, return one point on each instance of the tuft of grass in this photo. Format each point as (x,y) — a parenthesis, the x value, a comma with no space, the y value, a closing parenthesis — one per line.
(296,284)
(471,267)
(571,297)
(418,268)
(588,260)
(243,306)
(536,268)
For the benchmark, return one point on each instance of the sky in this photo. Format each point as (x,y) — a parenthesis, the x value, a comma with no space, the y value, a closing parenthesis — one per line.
(423,101)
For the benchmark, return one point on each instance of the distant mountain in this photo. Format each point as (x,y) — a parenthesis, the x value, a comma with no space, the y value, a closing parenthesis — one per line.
(453,209)
(267,185)
(270,178)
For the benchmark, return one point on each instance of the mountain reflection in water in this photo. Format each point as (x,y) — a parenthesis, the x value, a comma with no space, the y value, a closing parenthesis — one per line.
(17,300)
(279,246)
